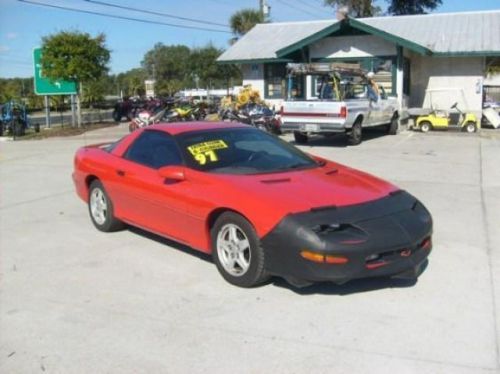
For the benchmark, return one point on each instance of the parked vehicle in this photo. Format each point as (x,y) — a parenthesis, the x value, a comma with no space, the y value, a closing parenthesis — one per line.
(123,109)
(147,117)
(344,104)
(13,118)
(186,112)
(257,204)
(253,114)
(445,120)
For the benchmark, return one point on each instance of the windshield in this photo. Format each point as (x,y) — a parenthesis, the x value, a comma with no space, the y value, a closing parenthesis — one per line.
(241,151)
(330,89)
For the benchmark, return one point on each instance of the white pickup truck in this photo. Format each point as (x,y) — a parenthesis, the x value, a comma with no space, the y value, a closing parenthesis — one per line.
(344,104)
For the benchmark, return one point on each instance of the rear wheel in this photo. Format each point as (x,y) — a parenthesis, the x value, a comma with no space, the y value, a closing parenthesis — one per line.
(425,126)
(356,135)
(300,137)
(236,251)
(117,116)
(469,127)
(101,209)
(392,128)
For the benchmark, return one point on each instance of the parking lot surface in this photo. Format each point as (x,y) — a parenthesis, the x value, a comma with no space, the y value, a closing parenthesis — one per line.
(75,300)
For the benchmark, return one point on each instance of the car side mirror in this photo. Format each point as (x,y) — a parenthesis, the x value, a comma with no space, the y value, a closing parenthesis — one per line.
(172,173)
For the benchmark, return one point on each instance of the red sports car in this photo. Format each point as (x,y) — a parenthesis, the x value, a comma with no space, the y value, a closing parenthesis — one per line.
(259,205)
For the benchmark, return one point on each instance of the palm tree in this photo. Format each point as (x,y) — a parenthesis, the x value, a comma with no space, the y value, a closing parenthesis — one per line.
(244,20)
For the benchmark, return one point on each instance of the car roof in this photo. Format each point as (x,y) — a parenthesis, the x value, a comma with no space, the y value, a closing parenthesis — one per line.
(184,127)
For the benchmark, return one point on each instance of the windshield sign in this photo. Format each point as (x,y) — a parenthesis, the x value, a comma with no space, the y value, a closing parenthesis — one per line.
(240,151)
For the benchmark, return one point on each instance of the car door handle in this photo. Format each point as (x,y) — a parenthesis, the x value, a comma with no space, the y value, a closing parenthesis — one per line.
(121,173)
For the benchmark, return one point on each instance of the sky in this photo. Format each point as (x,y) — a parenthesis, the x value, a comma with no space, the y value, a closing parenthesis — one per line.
(22,25)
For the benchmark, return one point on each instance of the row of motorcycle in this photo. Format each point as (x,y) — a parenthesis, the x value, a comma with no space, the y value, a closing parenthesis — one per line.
(254,114)
(174,110)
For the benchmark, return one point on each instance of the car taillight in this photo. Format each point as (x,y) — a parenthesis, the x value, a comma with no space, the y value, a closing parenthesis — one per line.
(343,112)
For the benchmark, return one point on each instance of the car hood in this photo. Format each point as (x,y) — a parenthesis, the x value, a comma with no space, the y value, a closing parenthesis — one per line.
(297,191)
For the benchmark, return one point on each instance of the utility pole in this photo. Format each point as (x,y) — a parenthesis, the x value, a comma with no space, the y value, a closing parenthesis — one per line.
(265,9)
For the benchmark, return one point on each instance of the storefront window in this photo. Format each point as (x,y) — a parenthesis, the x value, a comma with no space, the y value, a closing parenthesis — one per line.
(275,81)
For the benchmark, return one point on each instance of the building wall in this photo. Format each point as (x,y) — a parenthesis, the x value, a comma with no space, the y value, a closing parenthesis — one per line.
(351,47)
(254,74)
(460,78)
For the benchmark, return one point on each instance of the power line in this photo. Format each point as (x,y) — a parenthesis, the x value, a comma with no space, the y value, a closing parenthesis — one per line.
(123,17)
(314,7)
(297,8)
(154,13)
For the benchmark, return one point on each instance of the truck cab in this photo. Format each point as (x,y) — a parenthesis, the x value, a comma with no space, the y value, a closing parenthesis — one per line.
(345,103)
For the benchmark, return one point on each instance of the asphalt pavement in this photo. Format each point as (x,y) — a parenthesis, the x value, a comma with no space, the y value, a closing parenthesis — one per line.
(75,300)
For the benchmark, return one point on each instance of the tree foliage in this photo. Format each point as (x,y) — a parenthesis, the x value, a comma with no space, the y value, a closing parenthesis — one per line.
(73,55)
(243,20)
(131,83)
(400,7)
(176,66)
(367,8)
(358,8)
(15,88)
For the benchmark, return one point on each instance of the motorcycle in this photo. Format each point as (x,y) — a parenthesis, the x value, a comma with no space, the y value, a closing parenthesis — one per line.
(146,118)
(185,113)
(256,115)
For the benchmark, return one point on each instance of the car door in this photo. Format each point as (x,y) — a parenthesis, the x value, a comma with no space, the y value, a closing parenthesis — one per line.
(385,107)
(148,200)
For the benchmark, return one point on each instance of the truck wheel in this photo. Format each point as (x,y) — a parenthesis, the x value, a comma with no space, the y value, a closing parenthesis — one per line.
(392,128)
(469,127)
(356,135)
(425,126)
(300,137)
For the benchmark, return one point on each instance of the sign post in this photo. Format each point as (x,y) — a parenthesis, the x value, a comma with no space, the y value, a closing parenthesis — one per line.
(46,87)
(47,112)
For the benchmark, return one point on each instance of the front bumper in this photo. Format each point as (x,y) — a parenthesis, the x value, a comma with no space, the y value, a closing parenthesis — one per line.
(387,237)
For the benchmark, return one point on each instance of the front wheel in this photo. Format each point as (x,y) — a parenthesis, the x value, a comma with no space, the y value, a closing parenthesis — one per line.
(300,137)
(470,127)
(236,251)
(101,209)
(425,126)
(356,135)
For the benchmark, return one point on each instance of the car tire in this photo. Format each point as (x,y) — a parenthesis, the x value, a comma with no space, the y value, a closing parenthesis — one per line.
(117,116)
(392,128)
(355,136)
(101,209)
(469,127)
(300,137)
(425,126)
(236,251)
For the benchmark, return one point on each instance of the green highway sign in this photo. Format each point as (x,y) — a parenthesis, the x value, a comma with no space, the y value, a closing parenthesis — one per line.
(45,86)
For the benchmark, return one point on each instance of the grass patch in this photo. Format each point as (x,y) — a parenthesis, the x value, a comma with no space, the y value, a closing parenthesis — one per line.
(63,131)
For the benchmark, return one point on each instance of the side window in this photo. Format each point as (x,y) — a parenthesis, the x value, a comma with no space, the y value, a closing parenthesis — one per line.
(154,149)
